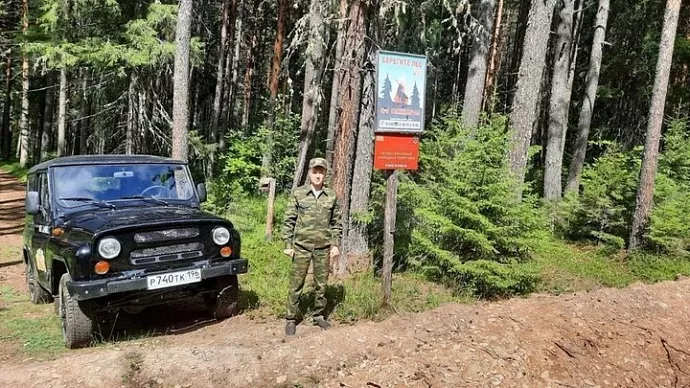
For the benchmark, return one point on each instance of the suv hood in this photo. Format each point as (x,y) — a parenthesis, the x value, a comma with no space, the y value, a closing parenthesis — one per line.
(97,220)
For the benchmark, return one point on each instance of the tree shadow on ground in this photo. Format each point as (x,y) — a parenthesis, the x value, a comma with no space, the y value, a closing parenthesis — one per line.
(179,317)
(335,295)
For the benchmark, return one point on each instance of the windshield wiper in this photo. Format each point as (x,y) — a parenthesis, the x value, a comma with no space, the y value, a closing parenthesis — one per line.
(89,200)
(156,200)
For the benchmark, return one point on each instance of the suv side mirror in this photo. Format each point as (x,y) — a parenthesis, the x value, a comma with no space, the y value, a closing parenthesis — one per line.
(201,191)
(32,202)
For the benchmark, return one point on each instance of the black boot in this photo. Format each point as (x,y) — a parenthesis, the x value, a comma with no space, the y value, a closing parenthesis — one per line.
(322,323)
(290,327)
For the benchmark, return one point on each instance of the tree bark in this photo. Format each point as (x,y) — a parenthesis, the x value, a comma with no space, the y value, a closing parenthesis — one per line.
(249,77)
(335,85)
(560,101)
(232,90)
(474,88)
(47,132)
(267,158)
(349,102)
(493,58)
(85,120)
(591,85)
(218,95)
(181,81)
(645,190)
(24,115)
(518,46)
(62,114)
(230,64)
(357,236)
(312,86)
(527,94)
(6,134)
(131,114)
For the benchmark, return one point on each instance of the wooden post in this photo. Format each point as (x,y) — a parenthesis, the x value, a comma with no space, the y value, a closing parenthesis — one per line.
(389,234)
(269,212)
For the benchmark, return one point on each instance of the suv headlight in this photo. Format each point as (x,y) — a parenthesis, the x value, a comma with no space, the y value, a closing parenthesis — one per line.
(221,235)
(109,248)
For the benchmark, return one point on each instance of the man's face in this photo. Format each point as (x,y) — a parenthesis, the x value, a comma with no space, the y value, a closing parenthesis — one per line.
(316,175)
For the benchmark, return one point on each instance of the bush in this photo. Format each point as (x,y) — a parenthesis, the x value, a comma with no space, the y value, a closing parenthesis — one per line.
(461,218)
(238,170)
(603,210)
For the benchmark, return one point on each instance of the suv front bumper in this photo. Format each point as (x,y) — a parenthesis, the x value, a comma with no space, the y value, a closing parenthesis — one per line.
(91,289)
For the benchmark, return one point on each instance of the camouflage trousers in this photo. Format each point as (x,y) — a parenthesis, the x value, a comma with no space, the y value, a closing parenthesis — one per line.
(298,274)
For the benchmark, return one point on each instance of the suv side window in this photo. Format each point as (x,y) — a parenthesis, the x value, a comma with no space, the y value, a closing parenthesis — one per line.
(32,183)
(43,194)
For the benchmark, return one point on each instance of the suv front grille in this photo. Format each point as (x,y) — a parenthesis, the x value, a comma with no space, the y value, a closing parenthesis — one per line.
(167,253)
(166,235)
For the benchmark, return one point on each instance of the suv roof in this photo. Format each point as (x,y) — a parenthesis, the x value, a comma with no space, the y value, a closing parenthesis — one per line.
(102,159)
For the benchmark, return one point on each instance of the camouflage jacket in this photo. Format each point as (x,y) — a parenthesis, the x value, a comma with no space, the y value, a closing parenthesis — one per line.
(310,222)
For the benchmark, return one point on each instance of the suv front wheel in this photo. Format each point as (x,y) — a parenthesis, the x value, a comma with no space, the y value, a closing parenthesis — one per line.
(225,303)
(77,327)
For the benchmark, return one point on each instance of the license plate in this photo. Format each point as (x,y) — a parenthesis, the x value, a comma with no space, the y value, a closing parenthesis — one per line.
(171,279)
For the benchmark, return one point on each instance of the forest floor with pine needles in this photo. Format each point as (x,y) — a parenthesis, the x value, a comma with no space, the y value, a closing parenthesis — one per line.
(586,335)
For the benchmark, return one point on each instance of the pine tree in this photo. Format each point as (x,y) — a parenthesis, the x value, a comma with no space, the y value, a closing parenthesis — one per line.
(415,97)
(386,92)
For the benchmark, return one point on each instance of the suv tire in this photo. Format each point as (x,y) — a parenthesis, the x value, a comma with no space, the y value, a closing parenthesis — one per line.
(37,294)
(77,327)
(225,303)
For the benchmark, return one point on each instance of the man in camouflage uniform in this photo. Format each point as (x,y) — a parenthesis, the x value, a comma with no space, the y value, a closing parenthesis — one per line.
(312,231)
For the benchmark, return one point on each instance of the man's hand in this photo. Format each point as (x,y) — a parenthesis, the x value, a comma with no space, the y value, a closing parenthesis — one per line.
(334,251)
(289,252)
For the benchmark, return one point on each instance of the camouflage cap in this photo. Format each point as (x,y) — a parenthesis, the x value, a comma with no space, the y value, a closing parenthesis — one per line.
(318,162)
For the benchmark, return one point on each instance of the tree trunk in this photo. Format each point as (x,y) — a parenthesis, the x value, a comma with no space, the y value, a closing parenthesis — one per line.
(528,86)
(215,115)
(85,120)
(560,101)
(24,115)
(645,190)
(267,158)
(230,64)
(474,88)
(47,132)
(62,114)
(591,85)
(6,134)
(335,86)
(518,46)
(131,114)
(357,237)
(249,73)
(232,90)
(493,58)
(349,102)
(312,86)
(181,81)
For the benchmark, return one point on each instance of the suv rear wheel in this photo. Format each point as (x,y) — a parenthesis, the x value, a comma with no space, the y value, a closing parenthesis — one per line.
(36,292)
(77,327)
(224,304)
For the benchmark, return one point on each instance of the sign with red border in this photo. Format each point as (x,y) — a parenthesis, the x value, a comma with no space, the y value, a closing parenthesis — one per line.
(396,152)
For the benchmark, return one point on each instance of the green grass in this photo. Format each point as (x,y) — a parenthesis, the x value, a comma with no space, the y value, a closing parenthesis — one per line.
(265,287)
(562,267)
(34,328)
(14,169)
(567,267)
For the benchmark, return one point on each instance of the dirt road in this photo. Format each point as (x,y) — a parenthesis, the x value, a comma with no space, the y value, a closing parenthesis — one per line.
(636,337)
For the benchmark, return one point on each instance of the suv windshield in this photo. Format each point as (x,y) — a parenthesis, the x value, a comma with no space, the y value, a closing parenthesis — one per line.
(79,185)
